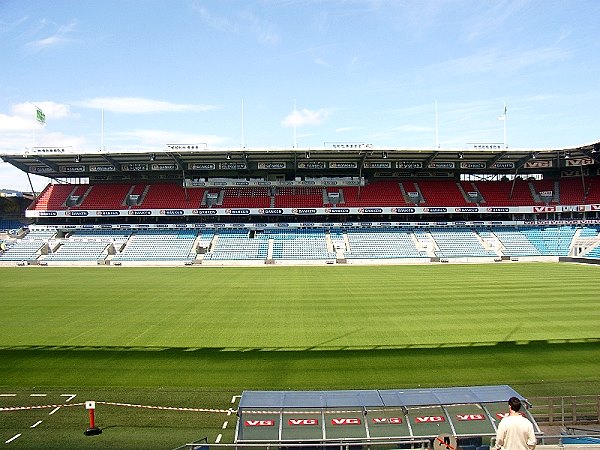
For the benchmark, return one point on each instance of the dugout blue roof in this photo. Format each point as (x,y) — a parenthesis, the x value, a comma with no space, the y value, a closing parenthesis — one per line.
(376,398)
(391,415)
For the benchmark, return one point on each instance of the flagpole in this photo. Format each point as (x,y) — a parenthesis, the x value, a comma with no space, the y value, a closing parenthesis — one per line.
(294,123)
(505,142)
(35,122)
(437,136)
(243,143)
(102,133)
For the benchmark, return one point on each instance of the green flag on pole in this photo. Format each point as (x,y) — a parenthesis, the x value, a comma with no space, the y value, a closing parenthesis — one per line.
(40,116)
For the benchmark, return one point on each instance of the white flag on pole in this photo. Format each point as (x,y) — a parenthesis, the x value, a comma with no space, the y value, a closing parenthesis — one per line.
(503,115)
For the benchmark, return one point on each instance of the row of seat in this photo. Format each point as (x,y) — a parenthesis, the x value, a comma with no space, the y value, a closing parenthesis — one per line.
(376,193)
(367,243)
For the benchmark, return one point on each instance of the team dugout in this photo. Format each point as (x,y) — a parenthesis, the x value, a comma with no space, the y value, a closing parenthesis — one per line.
(402,416)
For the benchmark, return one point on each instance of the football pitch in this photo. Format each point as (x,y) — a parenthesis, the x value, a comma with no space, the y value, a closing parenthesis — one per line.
(197,337)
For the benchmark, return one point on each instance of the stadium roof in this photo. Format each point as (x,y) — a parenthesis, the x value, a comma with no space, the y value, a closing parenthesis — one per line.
(377,398)
(343,158)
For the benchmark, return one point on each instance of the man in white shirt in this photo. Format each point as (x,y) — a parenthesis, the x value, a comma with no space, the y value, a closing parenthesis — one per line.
(515,431)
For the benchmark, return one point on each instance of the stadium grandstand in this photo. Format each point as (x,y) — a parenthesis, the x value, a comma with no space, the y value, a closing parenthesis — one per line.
(345,203)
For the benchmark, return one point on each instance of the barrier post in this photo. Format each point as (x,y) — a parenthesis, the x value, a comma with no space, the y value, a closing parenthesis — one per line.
(92,430)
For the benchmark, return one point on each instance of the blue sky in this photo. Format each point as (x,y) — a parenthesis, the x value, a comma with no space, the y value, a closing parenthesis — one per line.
(357,70)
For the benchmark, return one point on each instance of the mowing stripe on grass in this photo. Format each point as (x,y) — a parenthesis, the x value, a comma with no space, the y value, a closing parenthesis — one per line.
(16,436)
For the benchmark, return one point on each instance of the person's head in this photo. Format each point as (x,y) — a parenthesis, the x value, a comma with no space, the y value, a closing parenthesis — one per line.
(514,404)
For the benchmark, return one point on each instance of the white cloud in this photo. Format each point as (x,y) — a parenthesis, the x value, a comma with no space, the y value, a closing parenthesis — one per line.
(51,109)
(261,29)
(15,123)
(507,62)
(345,129)
(61,34)
(23,115)
(138,105)
(10,26)
(300,118)
(243,22)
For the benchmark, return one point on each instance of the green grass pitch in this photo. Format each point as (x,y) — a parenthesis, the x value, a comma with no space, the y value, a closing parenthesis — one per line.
(197,336)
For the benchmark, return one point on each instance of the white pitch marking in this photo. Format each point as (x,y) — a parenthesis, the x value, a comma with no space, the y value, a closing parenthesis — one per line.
(35,424)
(234,397)
(8,395)
(217,440)
(54,410)
(12,438)
(38,395)
(224,425)
(71,397)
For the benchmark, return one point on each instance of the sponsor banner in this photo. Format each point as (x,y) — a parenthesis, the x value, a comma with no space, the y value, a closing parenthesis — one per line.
(503,165)
(463,417)
(546,193)
(140,212)
(303,422)
(575,208)
(184,147)
(76,213)
(47,213)
(259,423)
(102,168)
(538,164)
(370,210)
(50,149)
(271,211)
(486,146)
(72,169)
(241,183)
(108,213)
(343,165)
(467,210)
(472,165)
(595,207)
(377,165)
(409,165)
(171,212)
(403,210)
(441,165)
(311,165)
(233,165)
(272,165)
(574,172)
(435,210)
(349,145)
(41,169)
(346,421)
(429,419)
(573,162)
(543,209)
(387,420)
(134,167)
(202,166)
(338,210)
(498,210)
(163,167)
(238,211)
(304,211)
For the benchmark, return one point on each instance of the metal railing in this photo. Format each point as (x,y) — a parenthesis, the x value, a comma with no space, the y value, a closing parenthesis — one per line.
(563,411)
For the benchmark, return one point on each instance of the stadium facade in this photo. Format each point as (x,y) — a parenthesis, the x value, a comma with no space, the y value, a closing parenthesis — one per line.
(339,203)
